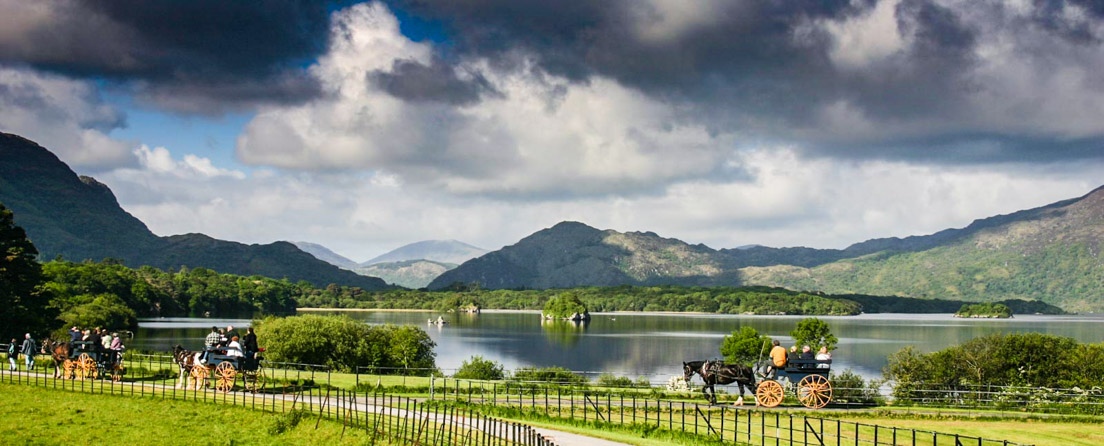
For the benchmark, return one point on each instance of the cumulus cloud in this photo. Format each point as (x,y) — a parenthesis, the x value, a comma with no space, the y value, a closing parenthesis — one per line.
(473,129)
(197,56)
(67,117)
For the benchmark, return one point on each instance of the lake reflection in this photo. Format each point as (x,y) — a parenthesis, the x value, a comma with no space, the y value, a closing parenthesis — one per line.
(654,345)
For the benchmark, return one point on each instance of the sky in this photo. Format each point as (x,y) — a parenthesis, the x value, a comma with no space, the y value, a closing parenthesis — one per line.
(364,127)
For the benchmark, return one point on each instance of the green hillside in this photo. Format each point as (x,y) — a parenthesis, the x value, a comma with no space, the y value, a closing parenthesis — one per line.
(1053,256)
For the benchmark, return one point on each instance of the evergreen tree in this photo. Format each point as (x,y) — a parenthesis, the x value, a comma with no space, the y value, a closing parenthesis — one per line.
(23,304)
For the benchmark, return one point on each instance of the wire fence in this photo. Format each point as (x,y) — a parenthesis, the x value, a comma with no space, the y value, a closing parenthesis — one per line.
(632,405)
(742,425)
(289,390)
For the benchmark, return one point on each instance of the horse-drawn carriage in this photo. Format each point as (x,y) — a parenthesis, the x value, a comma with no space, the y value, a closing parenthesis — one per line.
(84,359)
(223,367)
(808,378)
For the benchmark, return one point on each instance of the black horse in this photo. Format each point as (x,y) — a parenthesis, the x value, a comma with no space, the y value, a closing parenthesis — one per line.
(717,372)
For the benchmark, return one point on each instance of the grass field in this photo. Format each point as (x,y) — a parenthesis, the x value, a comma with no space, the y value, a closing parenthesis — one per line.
(42,416)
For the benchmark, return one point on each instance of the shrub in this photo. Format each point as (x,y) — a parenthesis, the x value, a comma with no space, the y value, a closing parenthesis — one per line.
(554,375)
(344,344)
(609,380)
(850,388)
(479,368)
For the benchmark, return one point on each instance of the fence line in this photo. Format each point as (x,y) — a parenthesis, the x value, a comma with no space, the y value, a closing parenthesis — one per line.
(575,402)
(378,414)
(725,423)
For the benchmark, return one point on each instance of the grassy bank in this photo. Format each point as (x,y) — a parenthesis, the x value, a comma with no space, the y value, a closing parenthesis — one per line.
(42,416)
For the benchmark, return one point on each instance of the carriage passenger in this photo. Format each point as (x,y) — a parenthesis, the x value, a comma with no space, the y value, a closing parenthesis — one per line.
(117,346)
(249,343)
(234,348)
(823,355)
(211,341)
(777,358)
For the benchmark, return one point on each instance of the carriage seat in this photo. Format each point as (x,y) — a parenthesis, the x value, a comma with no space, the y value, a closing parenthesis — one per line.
(797,365)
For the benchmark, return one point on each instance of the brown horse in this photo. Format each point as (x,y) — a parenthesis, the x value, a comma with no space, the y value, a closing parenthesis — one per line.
(59,351)
(186,359)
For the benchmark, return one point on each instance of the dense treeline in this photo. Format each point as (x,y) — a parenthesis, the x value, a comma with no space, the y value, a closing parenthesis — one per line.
(894,304)
(109,294)
(722,300)
(1019,359)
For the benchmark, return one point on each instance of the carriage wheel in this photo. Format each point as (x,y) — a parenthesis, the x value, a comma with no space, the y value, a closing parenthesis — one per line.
(814,391)
(225,375)
(86,366)
(199,376)
(769,393)
(254,379)
(68,369)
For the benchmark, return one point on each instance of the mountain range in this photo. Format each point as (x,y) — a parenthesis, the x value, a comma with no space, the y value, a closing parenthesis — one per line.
(1049,254)
(411,266)
(78,218)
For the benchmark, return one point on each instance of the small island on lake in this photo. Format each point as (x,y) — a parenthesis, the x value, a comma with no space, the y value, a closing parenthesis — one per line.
(985,310)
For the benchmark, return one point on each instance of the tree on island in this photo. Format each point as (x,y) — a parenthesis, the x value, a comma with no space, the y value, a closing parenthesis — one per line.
(814,333)
(992,310)
(24,306)
(565,306)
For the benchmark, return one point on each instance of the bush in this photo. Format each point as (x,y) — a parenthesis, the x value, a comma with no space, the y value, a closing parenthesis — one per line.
(344,344)
(850,388)
(553,375)
(479,368)
(609,380)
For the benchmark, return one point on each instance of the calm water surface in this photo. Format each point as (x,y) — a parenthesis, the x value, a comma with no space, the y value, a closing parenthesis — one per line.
(654,345)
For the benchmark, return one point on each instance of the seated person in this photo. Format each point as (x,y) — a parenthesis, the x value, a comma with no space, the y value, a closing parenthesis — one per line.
(234,348)
(823,355)
(777,359)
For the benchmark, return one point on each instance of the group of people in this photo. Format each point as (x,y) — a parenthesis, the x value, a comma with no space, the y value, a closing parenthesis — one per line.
(779,357)
(228,342)
(28,348)
(98,340)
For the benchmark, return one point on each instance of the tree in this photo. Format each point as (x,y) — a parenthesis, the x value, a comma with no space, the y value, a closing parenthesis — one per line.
(104,310)
(815,333)
(745,345)
(345,344)
(24,306)
(479,368)
(566,305)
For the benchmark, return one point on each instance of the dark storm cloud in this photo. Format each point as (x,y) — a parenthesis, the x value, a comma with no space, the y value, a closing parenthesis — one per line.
(437,82)
(767,66)
(204,46)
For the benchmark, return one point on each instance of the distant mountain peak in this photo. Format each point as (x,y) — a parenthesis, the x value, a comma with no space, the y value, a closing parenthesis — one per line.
(442,251)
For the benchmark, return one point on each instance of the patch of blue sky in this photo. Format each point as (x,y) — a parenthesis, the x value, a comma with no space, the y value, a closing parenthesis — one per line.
(211,137)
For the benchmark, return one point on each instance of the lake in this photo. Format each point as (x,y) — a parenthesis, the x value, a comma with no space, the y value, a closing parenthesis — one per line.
(652,345)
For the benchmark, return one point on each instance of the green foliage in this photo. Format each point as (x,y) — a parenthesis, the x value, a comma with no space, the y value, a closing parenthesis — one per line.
(103,310)
(745,345)
(555,375)
(719,300)
(479,368)
(1019,359)
(992,310)
(564,305)
(151,292)
(23,303)
(814,333)
(344,344)
(611,380)
(850,388)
